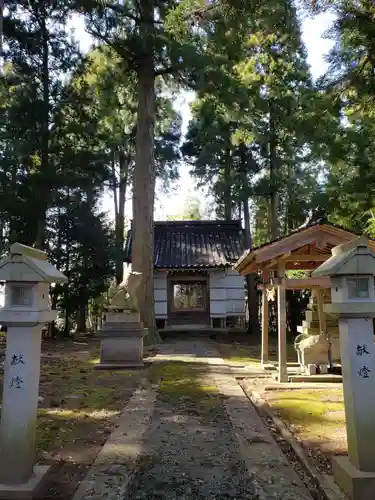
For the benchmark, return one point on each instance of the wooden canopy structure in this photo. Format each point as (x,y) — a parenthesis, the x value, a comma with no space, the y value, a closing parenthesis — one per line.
(303,249)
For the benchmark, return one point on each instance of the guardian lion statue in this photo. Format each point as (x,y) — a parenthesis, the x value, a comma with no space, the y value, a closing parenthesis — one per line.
(125,296)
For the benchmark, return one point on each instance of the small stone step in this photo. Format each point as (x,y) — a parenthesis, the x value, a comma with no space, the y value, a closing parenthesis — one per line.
(312,316)
(332,330)
(316,378)
(316,324)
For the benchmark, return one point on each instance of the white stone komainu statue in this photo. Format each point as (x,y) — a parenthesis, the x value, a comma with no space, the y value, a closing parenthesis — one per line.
(312,350)
(122,333)
(313,346)
(124,296)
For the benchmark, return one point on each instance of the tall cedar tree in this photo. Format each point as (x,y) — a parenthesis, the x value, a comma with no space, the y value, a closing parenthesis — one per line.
(114,99)
(155,38)
(39,51)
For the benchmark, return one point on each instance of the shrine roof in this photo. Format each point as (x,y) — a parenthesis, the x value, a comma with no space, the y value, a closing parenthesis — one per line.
(190,244)
(309,244)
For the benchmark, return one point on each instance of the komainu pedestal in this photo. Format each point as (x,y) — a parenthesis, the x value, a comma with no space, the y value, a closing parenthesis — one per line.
(312,345)
(122,333)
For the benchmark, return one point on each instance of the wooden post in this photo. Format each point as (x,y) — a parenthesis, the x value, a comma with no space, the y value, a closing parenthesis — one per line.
(281,313)
(323,323)
(265,320)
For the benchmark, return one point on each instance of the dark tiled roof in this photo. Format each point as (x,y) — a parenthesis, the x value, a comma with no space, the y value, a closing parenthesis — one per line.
(194,244)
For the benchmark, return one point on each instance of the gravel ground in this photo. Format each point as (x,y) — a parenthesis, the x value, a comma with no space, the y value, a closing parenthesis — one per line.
(192,454)
(285,447)
(202,445)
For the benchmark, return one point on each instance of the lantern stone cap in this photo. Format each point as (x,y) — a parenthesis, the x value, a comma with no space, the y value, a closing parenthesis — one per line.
(351,258)
(27,264)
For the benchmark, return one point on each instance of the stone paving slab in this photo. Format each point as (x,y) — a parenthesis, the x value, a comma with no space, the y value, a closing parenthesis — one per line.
(228,453)
(214,447)
(114,467)
(273,476)
(192,455)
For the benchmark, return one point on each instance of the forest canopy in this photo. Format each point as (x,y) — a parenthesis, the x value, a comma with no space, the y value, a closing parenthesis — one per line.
(268,141)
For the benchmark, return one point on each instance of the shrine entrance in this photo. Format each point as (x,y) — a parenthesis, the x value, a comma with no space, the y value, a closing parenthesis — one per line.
(188,300)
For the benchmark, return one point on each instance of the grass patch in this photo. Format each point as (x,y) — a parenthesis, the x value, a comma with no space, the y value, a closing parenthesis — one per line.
(79,410)
(235,353)
(251,353)
(80,404)
(317,416)
(185,383)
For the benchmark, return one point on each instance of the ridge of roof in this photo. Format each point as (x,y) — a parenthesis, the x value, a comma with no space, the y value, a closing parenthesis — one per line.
(194,244)
(233,224)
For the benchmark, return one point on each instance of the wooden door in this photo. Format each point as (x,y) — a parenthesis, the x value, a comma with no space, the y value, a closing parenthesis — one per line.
(188,301)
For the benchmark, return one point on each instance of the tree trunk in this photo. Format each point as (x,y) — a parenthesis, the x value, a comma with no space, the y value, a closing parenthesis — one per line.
(239,211)
(252,295)
(120,216)
(1,31)
(67,274)
(114,184)
(227,187)
(81,318)
(44,154)
(274,198)
(144,177)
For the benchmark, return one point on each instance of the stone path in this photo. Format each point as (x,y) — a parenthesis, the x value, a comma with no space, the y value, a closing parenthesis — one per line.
(203,442)
(216,448)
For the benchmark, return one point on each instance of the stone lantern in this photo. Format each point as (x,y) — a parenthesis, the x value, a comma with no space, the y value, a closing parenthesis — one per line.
(27,276)
(351,270)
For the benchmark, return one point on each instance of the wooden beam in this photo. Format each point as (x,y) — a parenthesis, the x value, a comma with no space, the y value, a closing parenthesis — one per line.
(305,257)
(283,246)
(302,266)
(249,268)
(271,264)
(300,284)
(285,256)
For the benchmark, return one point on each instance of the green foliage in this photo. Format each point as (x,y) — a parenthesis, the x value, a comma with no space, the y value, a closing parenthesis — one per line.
(192,210)
(349,82)
(268,142)
(258,137)
(68,121)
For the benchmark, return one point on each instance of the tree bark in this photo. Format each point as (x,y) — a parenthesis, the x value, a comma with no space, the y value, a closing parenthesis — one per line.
(44,155)
(120,216)
(114,184)
(1,31)
(227,187)
(144,177)
(81,318)
(252,295)
(274,198)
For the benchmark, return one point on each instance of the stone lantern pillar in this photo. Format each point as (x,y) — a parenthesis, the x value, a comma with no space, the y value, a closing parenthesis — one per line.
(27,276)
(352,269)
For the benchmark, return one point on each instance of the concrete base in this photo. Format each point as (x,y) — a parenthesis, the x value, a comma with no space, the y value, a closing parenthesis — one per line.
(27,490)
(118,366)
(356,485)
(122,351)
(269,367)
(275,366)
(328,378)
